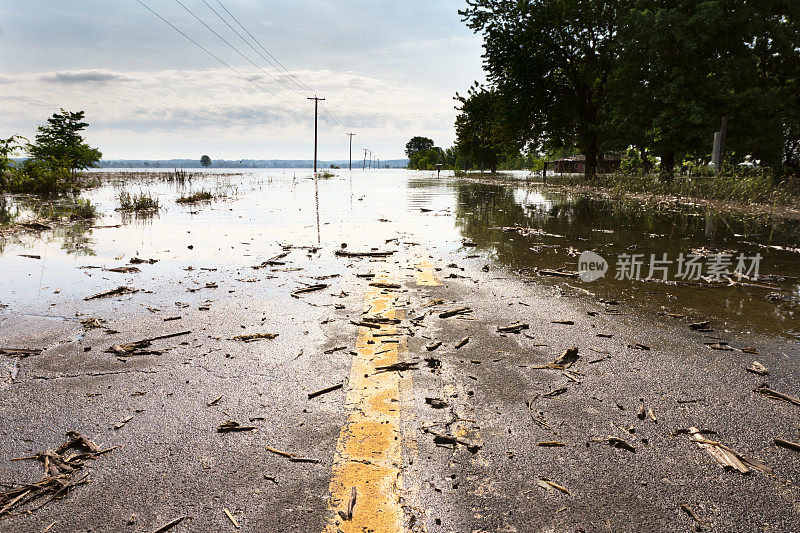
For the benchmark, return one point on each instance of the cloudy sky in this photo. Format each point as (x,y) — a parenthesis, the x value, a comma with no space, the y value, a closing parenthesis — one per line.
(389,70)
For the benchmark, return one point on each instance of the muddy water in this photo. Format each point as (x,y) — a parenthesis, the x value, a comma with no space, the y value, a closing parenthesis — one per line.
(257,212)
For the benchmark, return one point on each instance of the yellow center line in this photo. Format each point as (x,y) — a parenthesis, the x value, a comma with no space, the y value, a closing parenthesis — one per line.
(368,452)
(425,274)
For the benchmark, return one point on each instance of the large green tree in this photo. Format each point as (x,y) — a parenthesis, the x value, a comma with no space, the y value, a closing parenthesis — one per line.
(552,60)
(60,143)
(484,129)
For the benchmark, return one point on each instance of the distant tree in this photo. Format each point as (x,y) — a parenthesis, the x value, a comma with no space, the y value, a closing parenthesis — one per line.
(205,161)
(418,144)
(59,143)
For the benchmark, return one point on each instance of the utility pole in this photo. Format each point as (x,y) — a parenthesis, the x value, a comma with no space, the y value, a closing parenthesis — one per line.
(351,149)
(364,164)
(370,160)
(316,110)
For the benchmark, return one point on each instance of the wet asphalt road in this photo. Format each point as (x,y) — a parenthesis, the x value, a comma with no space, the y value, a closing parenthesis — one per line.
(171,461)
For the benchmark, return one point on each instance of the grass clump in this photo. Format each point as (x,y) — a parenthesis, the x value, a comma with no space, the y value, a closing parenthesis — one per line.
(199,196)
(137,202)
(325,174)
(83,210)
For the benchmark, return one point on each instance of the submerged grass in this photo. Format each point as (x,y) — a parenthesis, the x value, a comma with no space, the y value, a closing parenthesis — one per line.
(747,188)
(199,196)
(137,202)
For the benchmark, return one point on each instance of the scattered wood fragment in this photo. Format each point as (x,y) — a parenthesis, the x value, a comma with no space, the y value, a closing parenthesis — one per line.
(463,342)
(397,367)
(758,368)
(29,256)
(775,395)
(170,525)
(436,403)
(555,392)
(365,324)
(562,362)
(724,456)
(688,510)
(558,273)
(292,457)
(137,347)
(137,261)
(20,352)
(60,467)
(215,401)
(551,444)
(701,326)
(514,328)
(455,312)
(345,253)
(113,292)
(621,444)
(253,337)
(272,261)
(351,505)
(441,438)
(325,390)
(123,270)
(231,518)
(333,350)
(310,288)
(123,422)
(549,485)
(564,322)
(383,285)
(232,426)
(432,346)
(786,444)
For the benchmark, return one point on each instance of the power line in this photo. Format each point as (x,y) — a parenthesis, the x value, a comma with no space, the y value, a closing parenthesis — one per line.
(206,50)
(291,88)
(296,80)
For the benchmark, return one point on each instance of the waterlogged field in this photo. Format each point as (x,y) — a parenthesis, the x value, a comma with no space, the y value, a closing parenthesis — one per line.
(534,232)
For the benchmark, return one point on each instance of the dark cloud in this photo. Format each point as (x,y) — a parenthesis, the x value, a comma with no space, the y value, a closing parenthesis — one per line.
(83,76)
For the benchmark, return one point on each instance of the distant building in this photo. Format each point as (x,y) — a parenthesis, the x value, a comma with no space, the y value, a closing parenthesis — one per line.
(577,164)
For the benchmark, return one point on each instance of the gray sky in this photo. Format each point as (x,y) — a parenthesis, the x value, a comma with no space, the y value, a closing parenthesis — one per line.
(389,70)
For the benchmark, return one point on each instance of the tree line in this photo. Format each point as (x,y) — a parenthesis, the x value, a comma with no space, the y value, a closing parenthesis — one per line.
(655,77)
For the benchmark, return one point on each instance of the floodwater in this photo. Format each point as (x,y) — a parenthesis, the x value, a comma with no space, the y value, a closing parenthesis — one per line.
(510,224)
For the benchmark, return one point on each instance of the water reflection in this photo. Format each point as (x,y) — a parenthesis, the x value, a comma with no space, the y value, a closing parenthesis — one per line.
(525,228)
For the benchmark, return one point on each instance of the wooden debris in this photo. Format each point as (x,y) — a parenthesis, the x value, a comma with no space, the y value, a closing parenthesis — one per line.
(397,367)
(432,346)
(786,444)
(121,423)
(366,324)
(775,395)
(344,253)
(382,285)
(462,342)
(253,337)
(725,456)
(351,505)
(559,273)
(59,467)
(272,261)
(292,457)
(123,270)
(455,312)
(310,288)
(549,485)
(231,518)
(232,426)
(441,438)
(29,256)
(215,401)
(113,292)
(170,525)
(515,328)
(436,403)
(20,352)
(564,322)
(551,444)
(137,347)
(621,444)
(562,362)
(758,368)
(325,390)
(688,510)
(554,393)
(701,326)
(137,261)
(92,323)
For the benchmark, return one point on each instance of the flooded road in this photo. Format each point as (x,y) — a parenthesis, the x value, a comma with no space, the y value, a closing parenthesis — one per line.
(390,351)
(512,223)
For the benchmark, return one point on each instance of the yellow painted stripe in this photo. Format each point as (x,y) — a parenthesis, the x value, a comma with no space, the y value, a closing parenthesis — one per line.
(425,274)
(368,453)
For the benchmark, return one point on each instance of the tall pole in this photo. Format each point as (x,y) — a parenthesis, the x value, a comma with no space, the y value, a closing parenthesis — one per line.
(370,160)
(364,164)
(351,149)
(316,112)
